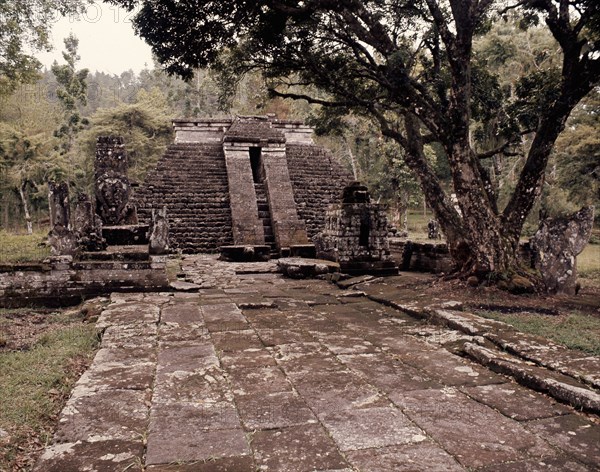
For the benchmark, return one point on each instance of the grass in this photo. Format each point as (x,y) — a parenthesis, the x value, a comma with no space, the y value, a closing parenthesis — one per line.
(23,248)
(588,262)
(34,385)
(574,330)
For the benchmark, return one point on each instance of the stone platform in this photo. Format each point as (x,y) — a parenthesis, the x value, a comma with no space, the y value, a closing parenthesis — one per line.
(257,372)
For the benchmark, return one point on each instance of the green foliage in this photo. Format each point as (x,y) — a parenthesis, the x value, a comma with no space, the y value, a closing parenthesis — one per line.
(145,126)
(71,93)
(577,154)
(24,26)
(576,331)
(15,248)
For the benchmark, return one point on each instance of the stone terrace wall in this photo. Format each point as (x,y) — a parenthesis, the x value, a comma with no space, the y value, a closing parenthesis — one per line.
(191,181)
(60,281)
(318,180)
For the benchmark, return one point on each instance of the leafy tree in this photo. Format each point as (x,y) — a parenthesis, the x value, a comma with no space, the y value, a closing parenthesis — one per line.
(412,68)
(26,166)
(25,25)
(145,126)
(71,93)
(577,154)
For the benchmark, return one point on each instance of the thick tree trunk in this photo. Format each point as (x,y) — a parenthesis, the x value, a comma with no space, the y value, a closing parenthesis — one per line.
(26,209)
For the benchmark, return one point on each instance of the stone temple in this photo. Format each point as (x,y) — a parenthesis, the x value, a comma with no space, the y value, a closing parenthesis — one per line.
(244,182)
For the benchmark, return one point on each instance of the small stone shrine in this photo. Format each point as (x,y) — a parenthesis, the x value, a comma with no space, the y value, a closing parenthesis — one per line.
(249,187)
(356,234)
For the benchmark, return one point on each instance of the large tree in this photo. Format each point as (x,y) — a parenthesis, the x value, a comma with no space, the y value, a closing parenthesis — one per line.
(411,66)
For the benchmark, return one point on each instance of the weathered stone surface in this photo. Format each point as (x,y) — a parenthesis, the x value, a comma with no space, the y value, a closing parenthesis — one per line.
(370,428)
(278,392)
(224,464)
(571,433)
(97,456)
(556,246)
(550,464)
(296,449)
(516,402)
(112,187)
(422,456)
(87,225)
(103,415)
(475,434)
(63,241)
(297,268)
(274,410)
(169,442)
(387,373)
(250,381)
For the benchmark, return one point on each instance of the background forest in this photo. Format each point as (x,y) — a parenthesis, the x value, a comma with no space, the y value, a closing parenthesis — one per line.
(48,129)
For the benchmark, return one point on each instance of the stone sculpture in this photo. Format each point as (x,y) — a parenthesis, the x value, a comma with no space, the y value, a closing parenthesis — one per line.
(61,238)
(87,225)
(556,245)
(112,186)
(158,234)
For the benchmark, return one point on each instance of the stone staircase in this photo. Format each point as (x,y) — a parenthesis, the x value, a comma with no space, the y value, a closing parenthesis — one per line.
(265,215)
(191,181)
(318,180)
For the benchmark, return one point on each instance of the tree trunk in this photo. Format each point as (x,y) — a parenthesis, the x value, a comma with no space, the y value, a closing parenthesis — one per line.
(23,196)
(352,160)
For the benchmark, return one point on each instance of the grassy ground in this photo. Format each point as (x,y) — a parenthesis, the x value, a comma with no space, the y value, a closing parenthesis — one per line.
(574,330)
(36,381)
(23,247)
(588,262)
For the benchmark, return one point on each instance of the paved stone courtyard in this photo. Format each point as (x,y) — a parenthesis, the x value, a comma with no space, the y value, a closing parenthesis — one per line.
(256,372)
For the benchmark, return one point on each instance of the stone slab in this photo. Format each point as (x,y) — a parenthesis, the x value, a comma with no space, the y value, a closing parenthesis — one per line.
(258,380)
(271,411)
(424,456)
(474,434)
(516,402)
(98,456)
(182,314)
(103,415)
(573,434)
(370,428)
(296,449)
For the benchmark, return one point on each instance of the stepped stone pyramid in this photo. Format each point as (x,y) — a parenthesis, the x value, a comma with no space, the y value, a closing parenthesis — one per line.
(246,181)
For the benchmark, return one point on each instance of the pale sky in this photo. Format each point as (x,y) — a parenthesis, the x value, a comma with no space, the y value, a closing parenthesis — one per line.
(107,42)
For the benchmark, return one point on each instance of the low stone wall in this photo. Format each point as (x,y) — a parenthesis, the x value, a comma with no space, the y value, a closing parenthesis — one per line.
(421,257)
(60,281)
(432,257)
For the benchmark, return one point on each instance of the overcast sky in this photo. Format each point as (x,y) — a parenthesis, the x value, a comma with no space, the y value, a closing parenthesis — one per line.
(107,42)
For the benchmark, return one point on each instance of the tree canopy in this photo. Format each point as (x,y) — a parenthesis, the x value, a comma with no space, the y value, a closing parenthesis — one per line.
(24,28)
(411,66)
